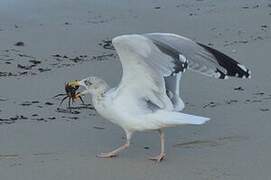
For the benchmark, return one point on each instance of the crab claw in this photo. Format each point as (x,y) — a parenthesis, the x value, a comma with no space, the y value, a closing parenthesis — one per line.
(78,96)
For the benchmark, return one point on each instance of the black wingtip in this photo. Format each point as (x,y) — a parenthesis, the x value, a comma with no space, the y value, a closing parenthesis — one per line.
(220,75)
(232,67)
(180,61)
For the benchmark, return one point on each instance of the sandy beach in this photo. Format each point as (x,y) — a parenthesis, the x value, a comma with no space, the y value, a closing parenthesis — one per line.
(44,44)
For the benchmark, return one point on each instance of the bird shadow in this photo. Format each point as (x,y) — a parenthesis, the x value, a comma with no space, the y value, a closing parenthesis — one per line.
(210,143)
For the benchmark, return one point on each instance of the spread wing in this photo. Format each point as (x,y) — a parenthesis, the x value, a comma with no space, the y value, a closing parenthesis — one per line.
(149,58)
(144,68)
(201,58)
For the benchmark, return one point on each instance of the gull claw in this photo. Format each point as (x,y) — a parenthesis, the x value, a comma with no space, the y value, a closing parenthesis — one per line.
(158,158)
(106,155)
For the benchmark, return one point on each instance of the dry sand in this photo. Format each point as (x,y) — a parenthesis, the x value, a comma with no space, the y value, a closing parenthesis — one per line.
(43,44)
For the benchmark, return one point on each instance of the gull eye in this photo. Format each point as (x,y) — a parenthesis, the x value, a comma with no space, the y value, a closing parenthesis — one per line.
(87,83)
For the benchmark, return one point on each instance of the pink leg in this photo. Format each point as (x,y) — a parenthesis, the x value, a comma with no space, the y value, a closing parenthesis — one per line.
(115,152)
(162,154)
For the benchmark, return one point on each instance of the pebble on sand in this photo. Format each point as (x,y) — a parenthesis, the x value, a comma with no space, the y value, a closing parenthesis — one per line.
(19,43)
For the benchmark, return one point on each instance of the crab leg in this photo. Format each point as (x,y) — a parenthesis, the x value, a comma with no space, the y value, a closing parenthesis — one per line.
(69,104)
(59,95)
(63,100)
(81,100)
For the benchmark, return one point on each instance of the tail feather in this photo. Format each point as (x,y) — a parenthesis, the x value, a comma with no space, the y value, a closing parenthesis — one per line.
(177,118)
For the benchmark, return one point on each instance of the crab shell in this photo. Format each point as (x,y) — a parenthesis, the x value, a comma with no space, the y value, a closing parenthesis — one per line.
(71,88)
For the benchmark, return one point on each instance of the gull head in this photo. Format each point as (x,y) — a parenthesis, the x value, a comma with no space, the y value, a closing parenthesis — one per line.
(93,85)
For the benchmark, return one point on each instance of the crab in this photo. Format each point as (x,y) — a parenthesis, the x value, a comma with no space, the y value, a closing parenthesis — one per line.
(71,88)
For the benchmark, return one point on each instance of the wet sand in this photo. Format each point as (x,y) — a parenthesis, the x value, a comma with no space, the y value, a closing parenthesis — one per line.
(45,44)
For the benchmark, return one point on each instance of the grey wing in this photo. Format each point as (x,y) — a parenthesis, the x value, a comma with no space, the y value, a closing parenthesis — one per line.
(158,69)
(172,84)
(153,62)
(201,58)
(144,68)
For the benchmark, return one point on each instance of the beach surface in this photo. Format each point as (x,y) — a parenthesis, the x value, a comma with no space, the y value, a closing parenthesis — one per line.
(44,44)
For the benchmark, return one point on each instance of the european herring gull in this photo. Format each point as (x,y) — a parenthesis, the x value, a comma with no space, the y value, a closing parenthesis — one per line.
(147,97)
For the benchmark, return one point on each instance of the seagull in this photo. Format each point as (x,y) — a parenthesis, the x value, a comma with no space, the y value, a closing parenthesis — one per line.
(148,95)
